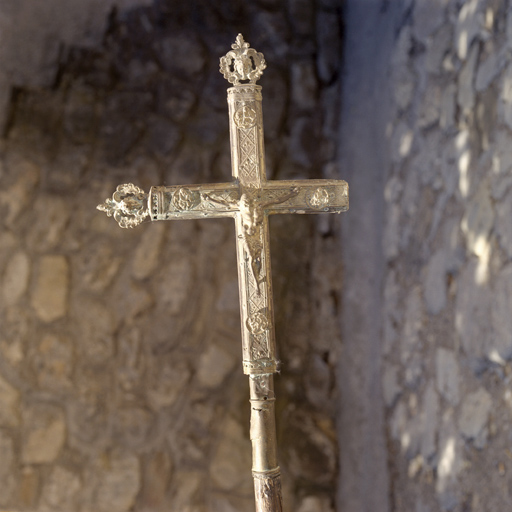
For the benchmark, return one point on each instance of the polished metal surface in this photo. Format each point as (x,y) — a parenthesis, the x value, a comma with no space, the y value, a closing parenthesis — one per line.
(249,199)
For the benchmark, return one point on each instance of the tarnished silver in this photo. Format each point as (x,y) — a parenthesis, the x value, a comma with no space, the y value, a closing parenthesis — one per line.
(249,199)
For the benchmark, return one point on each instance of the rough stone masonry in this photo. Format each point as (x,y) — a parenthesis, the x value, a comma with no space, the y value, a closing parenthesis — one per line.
(121,387)
(108,394)
(426,136)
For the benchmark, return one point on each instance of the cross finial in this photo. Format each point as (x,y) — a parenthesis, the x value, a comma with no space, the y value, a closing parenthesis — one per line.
(242,63)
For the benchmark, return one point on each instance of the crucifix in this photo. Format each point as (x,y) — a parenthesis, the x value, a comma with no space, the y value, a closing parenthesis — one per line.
(249,199)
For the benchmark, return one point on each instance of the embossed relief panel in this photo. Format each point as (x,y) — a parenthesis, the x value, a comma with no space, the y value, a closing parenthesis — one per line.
(246,119)
(194,201)
(313,196)
(258,339)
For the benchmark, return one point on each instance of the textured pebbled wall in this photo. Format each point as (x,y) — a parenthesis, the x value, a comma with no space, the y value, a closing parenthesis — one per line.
(427,125)
(121,387)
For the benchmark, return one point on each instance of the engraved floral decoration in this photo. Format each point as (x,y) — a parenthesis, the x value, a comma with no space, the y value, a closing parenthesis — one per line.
(318,198)
(128,205)
(242,63)
(245,117)
(257,323)
(185,199)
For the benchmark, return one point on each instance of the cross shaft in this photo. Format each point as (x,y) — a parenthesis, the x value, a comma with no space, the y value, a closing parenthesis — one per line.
(249,199)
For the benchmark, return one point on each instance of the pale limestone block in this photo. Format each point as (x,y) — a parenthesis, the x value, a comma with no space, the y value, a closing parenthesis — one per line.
(474,417)
(231,462)
(478,220)
(147,253)
(7,478)
(415,466)
(501,315)
(430,413)
(469,25)
(16,278)
(214,366)
(9,404)
(61,492)
(465,89)
(472,311)
(428,15)
(434,290)
(450,461)
(398,424)
(503,224)
(44,433)
(401,142)
(447,375)
(49,298)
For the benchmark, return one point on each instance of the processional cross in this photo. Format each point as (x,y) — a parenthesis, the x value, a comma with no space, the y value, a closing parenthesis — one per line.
(249,199)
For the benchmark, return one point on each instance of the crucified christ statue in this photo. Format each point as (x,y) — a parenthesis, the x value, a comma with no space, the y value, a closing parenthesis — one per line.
(251,207)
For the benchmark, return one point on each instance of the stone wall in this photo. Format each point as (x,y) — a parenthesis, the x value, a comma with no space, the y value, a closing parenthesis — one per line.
(429,93)
(121,385)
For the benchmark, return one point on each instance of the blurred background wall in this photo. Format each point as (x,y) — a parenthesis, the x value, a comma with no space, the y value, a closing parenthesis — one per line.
(426,146)
(121,385)
(120,378)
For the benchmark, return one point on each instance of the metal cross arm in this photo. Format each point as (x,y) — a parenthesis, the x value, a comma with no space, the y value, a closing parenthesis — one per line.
(249,199)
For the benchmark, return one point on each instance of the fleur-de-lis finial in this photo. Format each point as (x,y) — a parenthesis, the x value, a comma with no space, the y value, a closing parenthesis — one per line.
(242,63)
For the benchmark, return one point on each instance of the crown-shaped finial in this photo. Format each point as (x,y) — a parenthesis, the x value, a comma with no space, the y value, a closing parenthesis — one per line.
(242,63)
(128,205)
